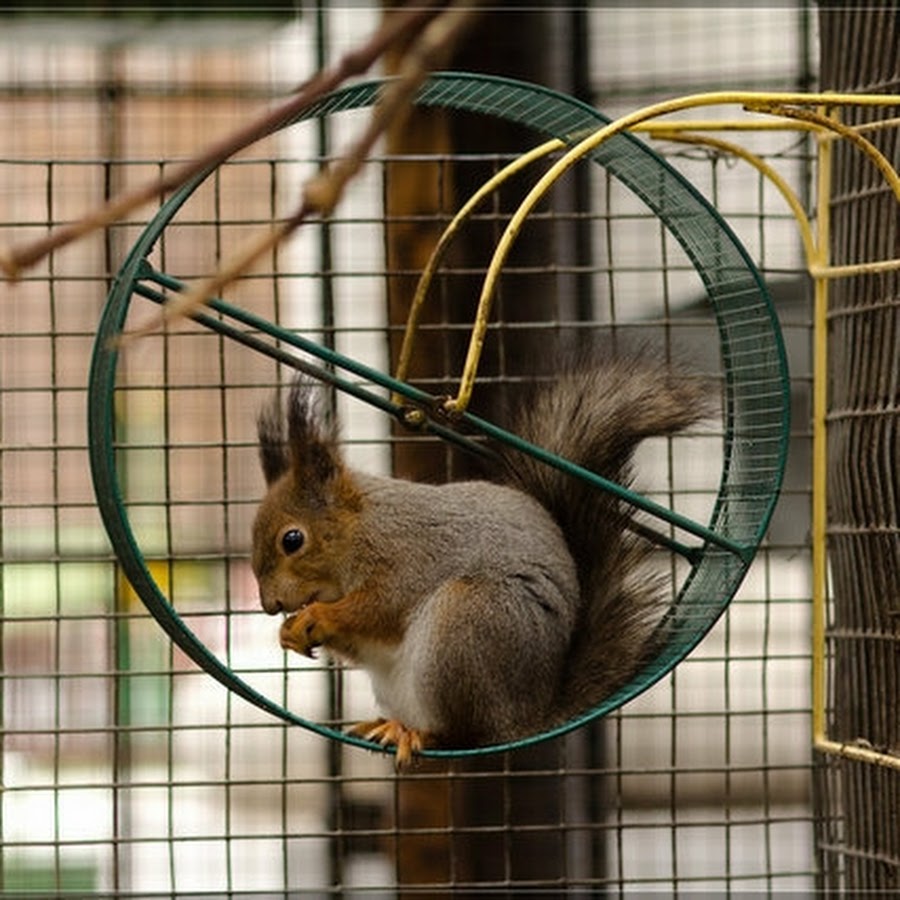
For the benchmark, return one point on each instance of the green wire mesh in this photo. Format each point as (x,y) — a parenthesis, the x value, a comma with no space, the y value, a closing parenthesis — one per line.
(752,354)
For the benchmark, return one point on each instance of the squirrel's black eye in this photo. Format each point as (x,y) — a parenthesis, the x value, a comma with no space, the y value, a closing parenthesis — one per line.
(292,540)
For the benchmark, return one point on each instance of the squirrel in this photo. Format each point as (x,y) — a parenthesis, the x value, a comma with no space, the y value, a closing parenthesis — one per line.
(483,611)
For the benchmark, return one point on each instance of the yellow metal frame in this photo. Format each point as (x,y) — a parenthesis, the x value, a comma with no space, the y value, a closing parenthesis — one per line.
(816,113)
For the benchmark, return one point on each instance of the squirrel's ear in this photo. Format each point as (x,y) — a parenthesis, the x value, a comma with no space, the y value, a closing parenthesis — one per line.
(311,439)
(273,452)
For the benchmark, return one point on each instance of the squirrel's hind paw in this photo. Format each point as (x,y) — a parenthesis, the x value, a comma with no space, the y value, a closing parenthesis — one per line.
(391,732)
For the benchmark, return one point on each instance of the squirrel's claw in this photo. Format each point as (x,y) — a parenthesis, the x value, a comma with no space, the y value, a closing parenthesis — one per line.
(391,732)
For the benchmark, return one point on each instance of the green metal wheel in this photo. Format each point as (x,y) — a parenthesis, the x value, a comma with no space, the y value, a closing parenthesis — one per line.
(756,388)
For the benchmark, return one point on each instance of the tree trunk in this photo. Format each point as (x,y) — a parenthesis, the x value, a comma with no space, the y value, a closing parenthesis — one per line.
(859,825)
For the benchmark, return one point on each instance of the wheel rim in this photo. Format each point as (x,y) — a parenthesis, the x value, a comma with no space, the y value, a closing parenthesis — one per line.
(752,353)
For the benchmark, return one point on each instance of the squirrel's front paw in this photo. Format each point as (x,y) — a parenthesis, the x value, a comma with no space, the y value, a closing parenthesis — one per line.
(302,632)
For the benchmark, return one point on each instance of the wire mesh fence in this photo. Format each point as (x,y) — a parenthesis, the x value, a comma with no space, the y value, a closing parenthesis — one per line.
(128,771)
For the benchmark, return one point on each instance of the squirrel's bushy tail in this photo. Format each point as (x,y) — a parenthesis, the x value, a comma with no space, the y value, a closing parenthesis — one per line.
(595,416)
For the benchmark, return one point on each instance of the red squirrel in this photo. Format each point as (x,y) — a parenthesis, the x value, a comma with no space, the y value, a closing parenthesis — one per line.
(483,611)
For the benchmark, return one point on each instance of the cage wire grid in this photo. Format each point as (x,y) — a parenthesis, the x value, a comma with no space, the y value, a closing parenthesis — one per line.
(171,777)
(127,771)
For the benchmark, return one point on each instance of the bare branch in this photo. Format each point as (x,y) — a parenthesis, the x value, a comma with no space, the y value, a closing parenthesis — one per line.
(201,293)
(322,192)
(408,22)
(430,51)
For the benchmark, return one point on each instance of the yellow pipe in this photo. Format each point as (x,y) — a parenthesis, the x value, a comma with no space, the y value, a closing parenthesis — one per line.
(817,259)
(857,752)
(844,131)
(823,272)
(878,125)
(819,458)
(818,263)
(753,125)
(656,129)
(796,207)
(816,268)
(449,233)
(627,122)
(867,268)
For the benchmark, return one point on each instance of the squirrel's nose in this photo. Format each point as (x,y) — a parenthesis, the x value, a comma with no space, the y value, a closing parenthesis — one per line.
(270,604)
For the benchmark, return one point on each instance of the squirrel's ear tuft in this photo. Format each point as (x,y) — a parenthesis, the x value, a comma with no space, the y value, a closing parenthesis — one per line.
(311,438)
(302,442)
(273,451)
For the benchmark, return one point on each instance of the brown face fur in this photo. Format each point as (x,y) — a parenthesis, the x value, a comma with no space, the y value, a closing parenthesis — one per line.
(305,522)
(296,549)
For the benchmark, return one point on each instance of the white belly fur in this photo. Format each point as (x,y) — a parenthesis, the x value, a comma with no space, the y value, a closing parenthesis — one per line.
(396,682)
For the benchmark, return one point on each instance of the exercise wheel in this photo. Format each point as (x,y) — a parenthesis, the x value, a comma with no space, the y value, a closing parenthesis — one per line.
(717,552)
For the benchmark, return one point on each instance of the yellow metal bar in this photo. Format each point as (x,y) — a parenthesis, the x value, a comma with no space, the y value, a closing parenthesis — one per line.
(796,207)
(822,273)
(867,268)
(663,129)
(654,129)
(751,100)
(817,251)
(827,128)
(817,268)
(878,125)
(859,752)
(819,458)
(844,131)
(449,233)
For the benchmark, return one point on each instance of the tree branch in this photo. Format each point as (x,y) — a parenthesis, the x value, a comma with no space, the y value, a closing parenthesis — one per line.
(396,29)
(322,192)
